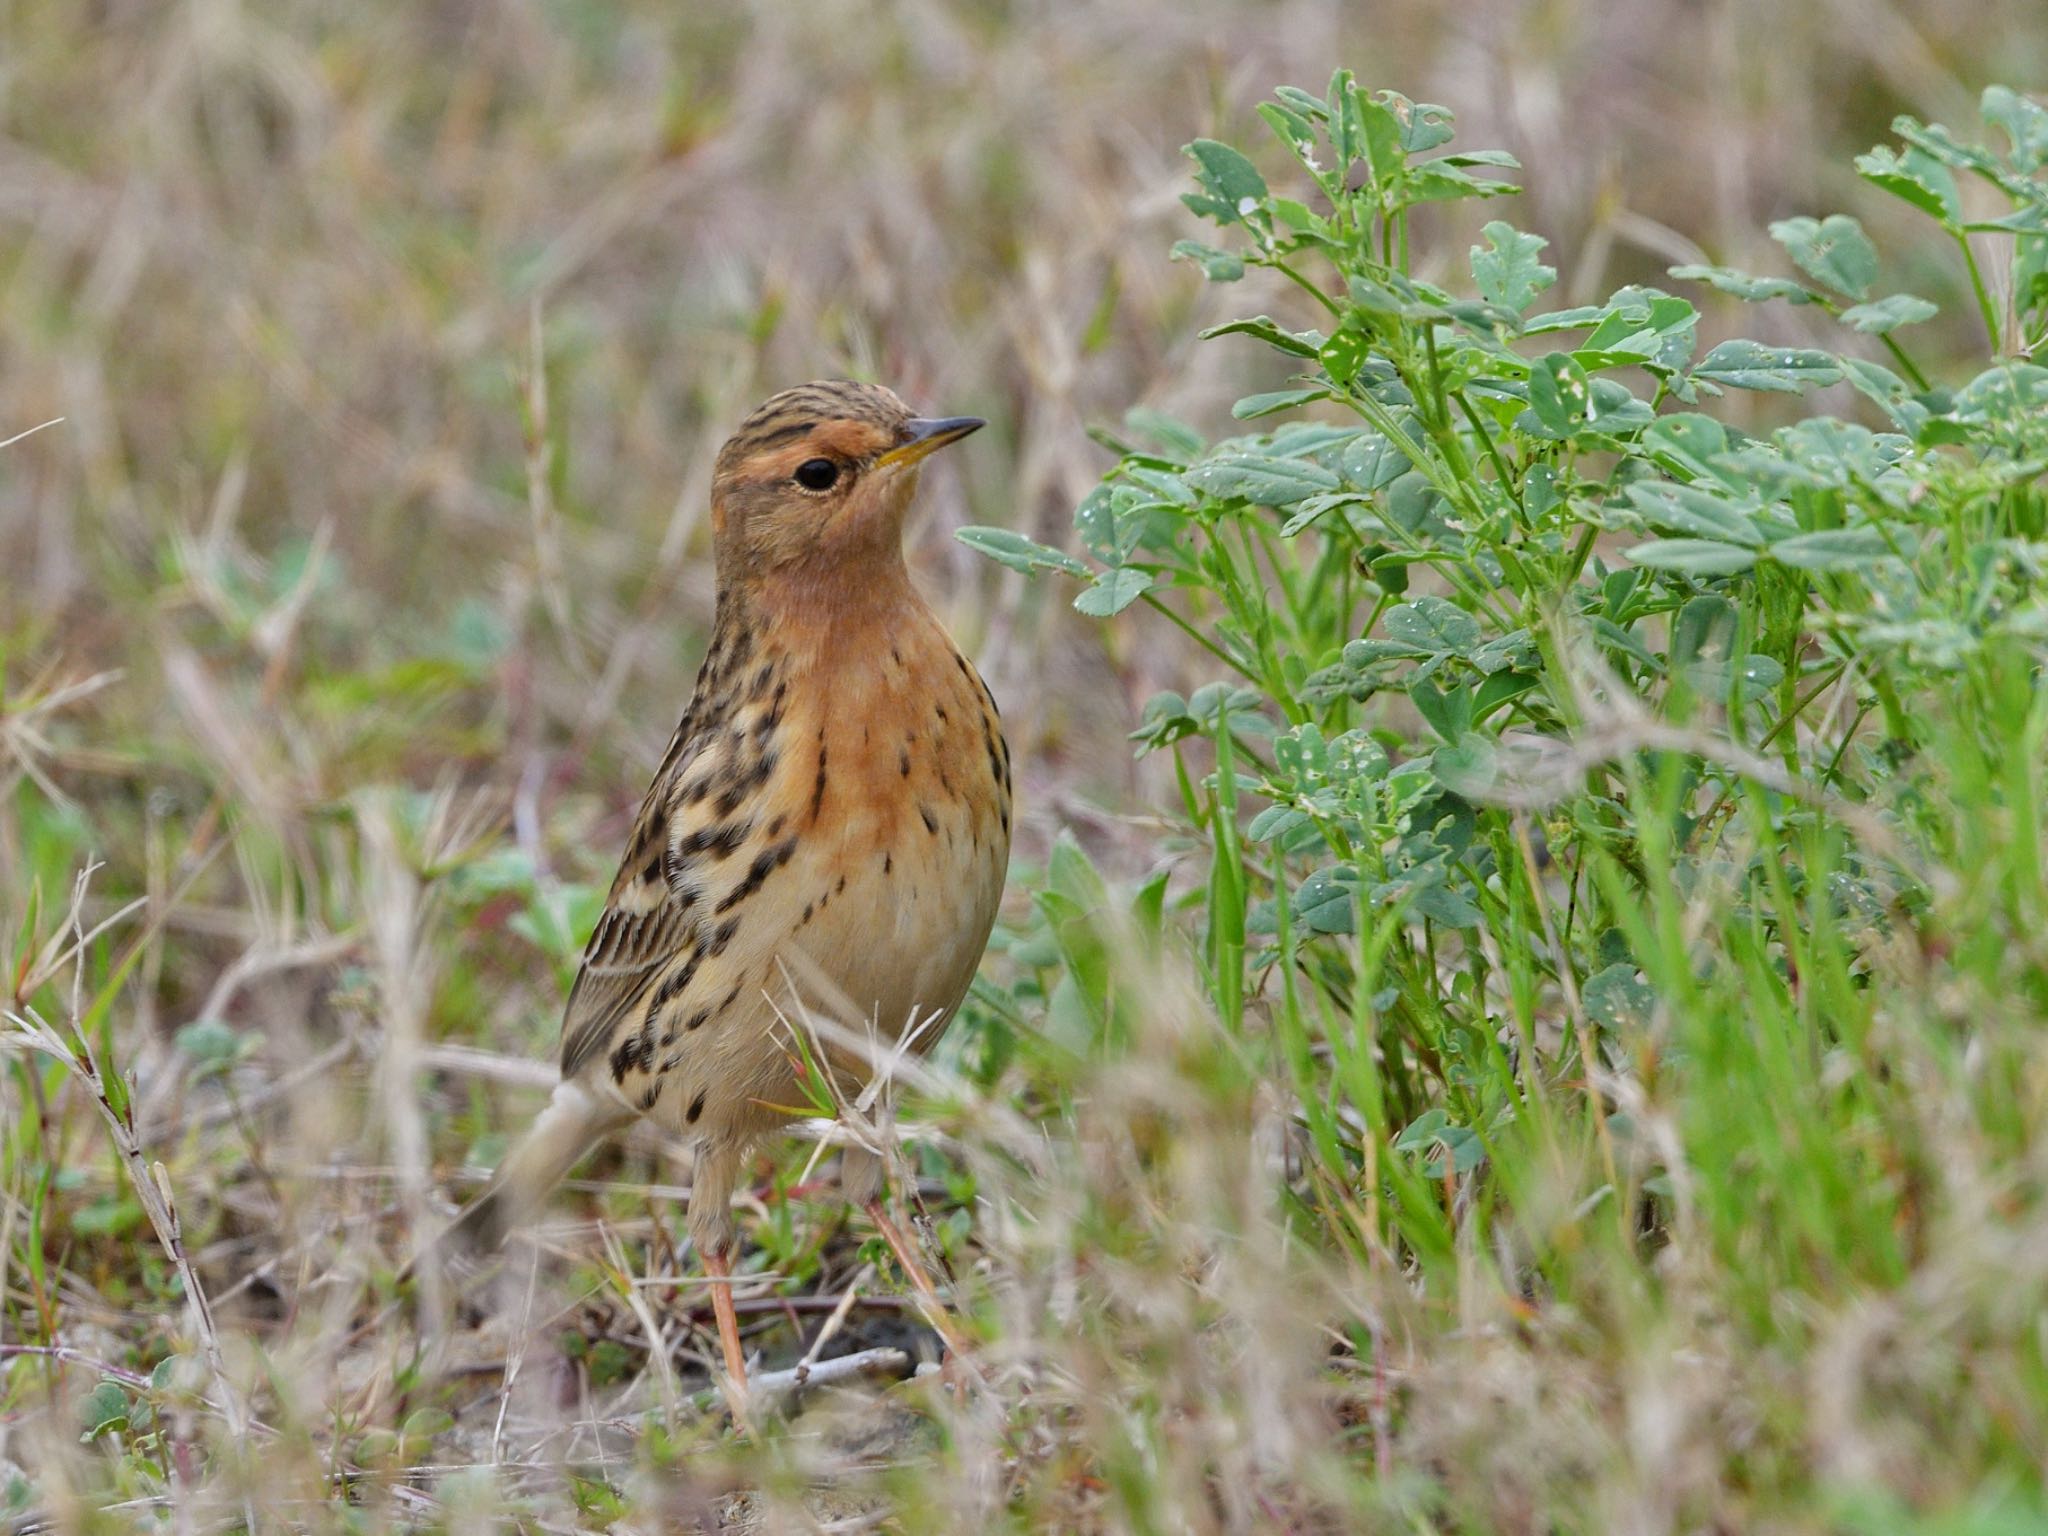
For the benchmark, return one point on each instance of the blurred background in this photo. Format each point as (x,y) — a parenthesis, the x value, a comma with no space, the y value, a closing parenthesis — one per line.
(345,612)
(393,342)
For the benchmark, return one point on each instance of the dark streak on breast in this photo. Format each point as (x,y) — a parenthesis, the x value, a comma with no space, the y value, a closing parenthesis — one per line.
(766,862)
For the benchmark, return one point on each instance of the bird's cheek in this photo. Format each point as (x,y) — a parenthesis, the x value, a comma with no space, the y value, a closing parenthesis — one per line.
(876,507)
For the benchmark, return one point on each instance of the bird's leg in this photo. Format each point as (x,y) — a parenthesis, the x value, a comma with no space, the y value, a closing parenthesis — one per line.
(906,1255)
(718,1265)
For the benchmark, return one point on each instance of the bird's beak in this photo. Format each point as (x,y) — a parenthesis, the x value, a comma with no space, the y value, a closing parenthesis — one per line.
(927,435)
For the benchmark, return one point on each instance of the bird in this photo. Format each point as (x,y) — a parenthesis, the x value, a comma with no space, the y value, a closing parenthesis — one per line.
(829,829)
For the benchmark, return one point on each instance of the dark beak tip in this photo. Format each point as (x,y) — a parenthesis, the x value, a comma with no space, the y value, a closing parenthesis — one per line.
(943,428)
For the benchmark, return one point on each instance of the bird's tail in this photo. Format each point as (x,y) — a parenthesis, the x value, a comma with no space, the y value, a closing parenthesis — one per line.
(565,1130)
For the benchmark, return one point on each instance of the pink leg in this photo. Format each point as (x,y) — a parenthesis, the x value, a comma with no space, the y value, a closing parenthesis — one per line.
(719,1267)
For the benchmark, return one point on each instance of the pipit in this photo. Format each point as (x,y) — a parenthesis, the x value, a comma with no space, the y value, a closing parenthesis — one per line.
(829,829)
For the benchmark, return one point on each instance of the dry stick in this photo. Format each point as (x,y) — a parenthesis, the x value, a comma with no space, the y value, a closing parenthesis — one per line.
(9,442)
(74,1357)
(802,1373)
(885,1361)
(657,1341)
(152,1185)
(520,1339)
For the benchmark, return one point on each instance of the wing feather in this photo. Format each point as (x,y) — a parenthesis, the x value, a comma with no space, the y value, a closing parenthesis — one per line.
(648,919)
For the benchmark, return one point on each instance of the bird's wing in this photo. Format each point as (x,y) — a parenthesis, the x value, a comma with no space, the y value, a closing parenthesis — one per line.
(649,918)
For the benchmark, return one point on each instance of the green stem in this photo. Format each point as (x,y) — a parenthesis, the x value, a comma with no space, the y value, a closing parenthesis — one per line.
(1899,356)
(1321,297)
(1984,305)
(1202,640)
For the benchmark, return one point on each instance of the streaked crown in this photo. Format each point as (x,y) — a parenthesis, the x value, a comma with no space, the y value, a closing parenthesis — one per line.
(789,415)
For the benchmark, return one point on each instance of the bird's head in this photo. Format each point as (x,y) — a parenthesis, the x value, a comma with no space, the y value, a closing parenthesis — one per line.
(818,480)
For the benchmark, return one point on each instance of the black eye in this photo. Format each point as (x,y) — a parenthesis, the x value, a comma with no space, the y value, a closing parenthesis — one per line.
(817,474)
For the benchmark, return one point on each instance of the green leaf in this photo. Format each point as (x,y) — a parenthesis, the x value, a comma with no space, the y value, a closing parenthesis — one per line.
(1687,439)
(1261,479)
(1008,547)
(1694,511)
(1506,269)
(1432,625)
(1501,688)
(1888,314)
(1832,549)
(1891,393)
(1743,285)
(1220,266)
(1617,999)
(1781,370)
(1376,132)
(1834,251)
(1275,400)
(2004,392)
(104,1411)
(1275,821)
(1263,327)
(1566,319)
(1423,124)
(1693,557)
(1439,181)
(1344,354)
(1372,462)
(1233,180)
(1448,711)
(1917,178)
(1703,630)
(1323,901)
(107,1216)
(1167,487)
(1292,128)
(2025,125)
(1560,393)
(1468,766)
(2030,220)
(1113,592)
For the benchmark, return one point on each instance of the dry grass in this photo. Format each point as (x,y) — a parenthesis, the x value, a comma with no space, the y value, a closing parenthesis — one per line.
(345,612)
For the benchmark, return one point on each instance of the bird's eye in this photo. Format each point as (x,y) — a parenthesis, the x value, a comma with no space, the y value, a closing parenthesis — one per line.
(817,474)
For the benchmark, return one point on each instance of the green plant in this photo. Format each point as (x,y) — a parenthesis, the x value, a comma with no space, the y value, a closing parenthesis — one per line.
(1597,798)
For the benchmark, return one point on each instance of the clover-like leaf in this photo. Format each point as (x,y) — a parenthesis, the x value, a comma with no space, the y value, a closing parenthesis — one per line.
(1833,250)
(1616,998)
(1113,592)
(1432,626)
(1261,479)
(1231,180)
(1888,314)
(1744,285)
(1008,547)
(1506,269)
(1324,900)
(1780,370)
(1694,557)
(1691,510)
(1833,549)
(1915,177)
(1560,393)
(1219,266)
